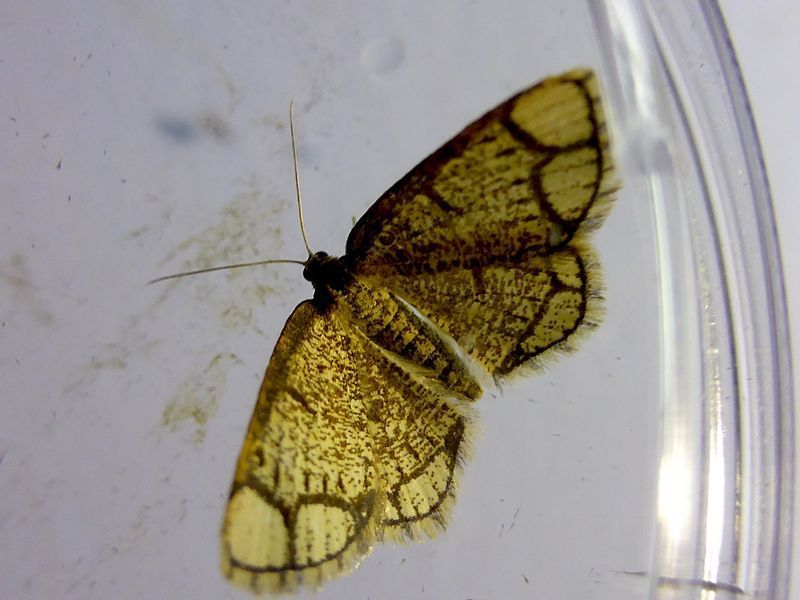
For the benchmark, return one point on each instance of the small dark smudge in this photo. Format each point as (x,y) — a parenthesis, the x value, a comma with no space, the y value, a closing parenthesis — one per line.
(176,128)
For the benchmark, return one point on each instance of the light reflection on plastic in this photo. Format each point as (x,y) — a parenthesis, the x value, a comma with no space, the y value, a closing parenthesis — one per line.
(715,508)
(674,494)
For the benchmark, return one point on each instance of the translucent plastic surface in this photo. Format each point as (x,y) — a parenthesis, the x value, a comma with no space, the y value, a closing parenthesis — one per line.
(726,472)
(143,139)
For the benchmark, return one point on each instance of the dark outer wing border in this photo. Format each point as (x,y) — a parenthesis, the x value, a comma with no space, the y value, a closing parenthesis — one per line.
(421,178)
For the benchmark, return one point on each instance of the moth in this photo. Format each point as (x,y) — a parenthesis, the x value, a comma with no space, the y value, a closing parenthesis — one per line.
(472,266)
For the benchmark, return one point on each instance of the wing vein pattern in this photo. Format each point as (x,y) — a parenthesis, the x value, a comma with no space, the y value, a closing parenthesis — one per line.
(362,420)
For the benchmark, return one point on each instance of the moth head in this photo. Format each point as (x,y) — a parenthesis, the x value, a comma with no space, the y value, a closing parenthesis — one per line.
(323,270)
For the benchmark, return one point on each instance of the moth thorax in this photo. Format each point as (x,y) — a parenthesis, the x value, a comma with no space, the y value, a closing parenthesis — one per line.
(325,271)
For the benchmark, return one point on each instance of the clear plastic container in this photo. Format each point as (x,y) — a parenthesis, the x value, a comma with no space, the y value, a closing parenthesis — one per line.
(726,469)
(654,462)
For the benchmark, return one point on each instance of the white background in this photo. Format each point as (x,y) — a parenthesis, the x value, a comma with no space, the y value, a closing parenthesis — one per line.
(94,462)
(143,138)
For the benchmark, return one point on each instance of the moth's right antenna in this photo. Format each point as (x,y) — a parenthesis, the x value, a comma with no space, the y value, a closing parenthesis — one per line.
(297,179)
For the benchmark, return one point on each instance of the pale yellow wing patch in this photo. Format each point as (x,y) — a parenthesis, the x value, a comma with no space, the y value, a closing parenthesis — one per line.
(505,314)
(487,237)
(344,447)
(421,439)
(355,435)
(305,495)
(525,177)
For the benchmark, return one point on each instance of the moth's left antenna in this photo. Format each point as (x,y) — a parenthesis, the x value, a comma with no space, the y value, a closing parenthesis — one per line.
(297,179)
(255,263)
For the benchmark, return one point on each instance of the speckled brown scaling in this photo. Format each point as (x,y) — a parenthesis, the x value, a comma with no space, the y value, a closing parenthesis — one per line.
(361,422)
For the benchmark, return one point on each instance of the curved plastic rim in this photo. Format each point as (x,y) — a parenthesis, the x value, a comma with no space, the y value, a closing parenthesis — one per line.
(724,517)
